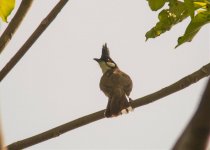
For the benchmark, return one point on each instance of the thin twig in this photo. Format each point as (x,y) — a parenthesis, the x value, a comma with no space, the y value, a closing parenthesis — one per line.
(195,135)
(31,40)
(52,133)
(14,24)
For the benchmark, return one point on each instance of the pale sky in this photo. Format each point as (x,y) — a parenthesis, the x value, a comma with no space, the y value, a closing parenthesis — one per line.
(57,80)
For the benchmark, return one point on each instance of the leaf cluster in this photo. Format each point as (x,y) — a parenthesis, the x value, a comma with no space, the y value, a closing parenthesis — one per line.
(177,11)
(6,7)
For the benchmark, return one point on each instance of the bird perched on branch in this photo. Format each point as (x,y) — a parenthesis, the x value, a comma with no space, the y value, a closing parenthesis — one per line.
(115,84)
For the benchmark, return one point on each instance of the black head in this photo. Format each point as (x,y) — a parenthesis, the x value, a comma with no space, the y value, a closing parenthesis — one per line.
(105,58)
(104,55)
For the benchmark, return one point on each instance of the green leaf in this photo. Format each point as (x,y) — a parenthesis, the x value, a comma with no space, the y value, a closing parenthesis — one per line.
(156,4)
(6,7)
(190,7)
(194,26)
(199,5)
(168,18)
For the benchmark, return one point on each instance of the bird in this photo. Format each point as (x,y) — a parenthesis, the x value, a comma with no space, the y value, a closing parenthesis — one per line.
(115,84)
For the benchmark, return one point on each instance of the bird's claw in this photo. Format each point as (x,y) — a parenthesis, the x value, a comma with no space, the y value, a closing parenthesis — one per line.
(130,100)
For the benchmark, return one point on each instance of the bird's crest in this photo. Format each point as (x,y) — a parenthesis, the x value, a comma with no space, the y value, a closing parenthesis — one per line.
(105,52)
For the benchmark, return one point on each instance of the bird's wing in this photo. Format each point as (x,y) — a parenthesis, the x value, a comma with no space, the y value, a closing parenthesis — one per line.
(126,82)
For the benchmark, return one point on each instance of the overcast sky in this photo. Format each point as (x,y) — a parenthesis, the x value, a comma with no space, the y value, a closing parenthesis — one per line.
(57,80)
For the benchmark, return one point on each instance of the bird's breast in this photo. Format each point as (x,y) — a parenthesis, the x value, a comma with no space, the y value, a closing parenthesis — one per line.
(115,79)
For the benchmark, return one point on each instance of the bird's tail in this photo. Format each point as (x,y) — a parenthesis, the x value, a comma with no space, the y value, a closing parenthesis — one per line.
(117,105)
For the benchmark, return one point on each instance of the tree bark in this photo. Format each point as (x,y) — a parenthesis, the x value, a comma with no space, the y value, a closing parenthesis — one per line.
(1,139)
(15,23)
(35,35)
(195,135)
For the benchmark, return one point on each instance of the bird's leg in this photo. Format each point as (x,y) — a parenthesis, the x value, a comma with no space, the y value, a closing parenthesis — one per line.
(130,108)
(130,99)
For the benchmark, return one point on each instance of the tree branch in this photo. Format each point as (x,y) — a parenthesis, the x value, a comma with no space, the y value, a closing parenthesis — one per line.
(177,86)
(31,40)
(1,139)
(195,135)
(14,24)
(52,133)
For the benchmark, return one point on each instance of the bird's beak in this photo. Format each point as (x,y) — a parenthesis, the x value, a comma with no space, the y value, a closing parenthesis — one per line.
(96,59)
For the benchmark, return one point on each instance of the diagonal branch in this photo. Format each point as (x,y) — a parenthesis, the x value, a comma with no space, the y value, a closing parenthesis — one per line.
(31,40)
(14,24)
(52,133)
(177,86)
(195,135)
(1,139)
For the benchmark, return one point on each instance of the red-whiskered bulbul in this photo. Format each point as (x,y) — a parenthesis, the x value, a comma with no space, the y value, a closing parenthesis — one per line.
(115,84)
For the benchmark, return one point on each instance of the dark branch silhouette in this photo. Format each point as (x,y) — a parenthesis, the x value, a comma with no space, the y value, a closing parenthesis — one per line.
(31,40)
(195,135)
(1,139)
(14,24)
(52,133)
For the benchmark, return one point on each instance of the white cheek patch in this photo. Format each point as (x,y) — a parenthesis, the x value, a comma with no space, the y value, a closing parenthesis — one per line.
(110,64)
(104,66)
